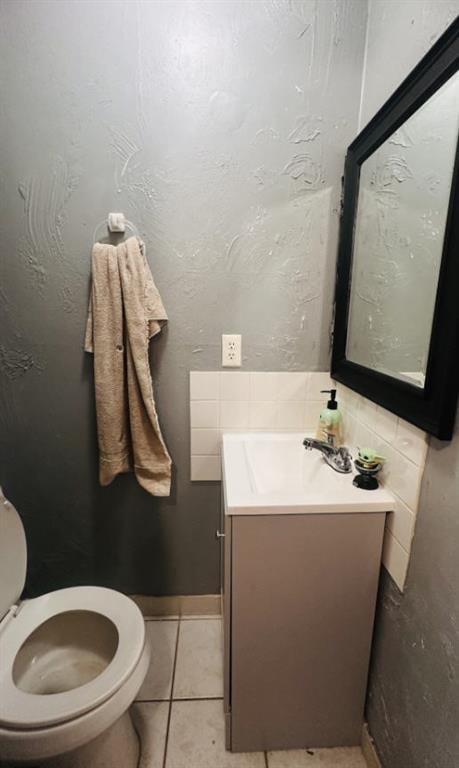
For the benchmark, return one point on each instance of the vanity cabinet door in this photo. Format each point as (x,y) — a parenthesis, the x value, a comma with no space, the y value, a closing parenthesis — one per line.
(303,592)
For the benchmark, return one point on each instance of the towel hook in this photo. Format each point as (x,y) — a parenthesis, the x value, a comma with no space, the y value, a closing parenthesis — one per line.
(116,222)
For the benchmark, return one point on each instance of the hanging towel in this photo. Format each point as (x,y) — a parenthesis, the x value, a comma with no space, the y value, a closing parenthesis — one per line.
(125,311)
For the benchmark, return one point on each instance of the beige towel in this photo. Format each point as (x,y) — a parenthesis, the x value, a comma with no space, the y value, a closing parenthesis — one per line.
(125,311)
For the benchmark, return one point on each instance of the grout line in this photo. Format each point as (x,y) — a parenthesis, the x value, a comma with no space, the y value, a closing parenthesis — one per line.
(199,698)
(189,617)
(266,759)
(185,698)
(166,743)
(151,701)
(201,617)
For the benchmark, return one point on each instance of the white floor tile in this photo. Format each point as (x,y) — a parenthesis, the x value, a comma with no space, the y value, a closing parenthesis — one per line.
(162,638)
(197,739)
(199,670)
(345,757)
(150,720)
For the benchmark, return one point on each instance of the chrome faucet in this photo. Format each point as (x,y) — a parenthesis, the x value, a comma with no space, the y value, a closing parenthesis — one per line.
(338,459)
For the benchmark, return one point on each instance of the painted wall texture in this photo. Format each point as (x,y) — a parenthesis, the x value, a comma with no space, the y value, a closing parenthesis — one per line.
(220,129)
(398,36)
(413,704)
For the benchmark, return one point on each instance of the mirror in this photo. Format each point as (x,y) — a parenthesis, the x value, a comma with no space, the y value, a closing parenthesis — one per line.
(404,192)
(396,331)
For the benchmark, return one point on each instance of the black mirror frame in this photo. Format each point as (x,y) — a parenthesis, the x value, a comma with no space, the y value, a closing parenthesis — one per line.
(433,407)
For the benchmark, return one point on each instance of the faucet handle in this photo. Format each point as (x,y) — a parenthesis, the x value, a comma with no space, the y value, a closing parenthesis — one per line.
(345,456)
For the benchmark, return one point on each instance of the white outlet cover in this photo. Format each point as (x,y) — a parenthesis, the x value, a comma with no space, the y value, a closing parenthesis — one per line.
(231,350)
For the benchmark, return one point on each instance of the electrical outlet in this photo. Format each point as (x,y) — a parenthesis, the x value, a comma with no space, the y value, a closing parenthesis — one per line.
(231,350)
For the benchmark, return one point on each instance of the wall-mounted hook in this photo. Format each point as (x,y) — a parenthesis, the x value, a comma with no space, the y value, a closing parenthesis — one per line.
(116,222)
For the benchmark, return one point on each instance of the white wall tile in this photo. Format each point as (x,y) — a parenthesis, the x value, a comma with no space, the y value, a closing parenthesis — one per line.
(385,424)
(412,442)
(230,430)
(395,558)
(205,468)
(366,438)
(234,414)
(317,381)
(205,442)
(349,399)
(291,416)
(204,385)
(262,415)
(293,386)
(204,414)
(264,387)
(367,412)
(234,386)
(403,477)
(401,523)
(349,428)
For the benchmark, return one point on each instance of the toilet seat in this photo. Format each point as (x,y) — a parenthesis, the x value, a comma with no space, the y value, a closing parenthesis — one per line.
(22,710)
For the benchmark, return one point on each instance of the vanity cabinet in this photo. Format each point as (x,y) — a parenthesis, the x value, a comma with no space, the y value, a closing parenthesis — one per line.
(299,600)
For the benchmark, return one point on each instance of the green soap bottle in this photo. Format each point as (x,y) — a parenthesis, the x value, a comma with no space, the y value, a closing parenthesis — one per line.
(330,421)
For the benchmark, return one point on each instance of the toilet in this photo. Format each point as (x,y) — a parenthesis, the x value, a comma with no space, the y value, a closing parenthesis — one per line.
(71,664)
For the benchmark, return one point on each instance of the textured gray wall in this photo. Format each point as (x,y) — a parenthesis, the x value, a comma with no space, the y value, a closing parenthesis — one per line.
(413,705)
(399,33)
(219,128)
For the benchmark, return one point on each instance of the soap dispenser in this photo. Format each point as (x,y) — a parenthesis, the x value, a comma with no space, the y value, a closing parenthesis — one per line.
(330,421)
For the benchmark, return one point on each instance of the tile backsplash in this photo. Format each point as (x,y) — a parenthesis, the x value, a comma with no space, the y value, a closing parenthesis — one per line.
(405,448)
(224,401)
(233,401)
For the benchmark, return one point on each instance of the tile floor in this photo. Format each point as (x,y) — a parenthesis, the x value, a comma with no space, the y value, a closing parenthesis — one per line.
(179,709)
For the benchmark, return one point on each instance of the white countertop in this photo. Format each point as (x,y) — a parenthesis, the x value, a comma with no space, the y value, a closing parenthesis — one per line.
(272,473)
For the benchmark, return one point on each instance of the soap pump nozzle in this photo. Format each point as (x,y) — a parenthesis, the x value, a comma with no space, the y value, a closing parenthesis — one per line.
(332,405)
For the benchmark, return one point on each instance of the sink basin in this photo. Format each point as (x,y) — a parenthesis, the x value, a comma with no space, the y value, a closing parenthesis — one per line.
(272,473)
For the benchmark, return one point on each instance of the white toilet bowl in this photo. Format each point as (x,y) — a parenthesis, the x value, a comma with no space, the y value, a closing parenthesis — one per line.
(72,662)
